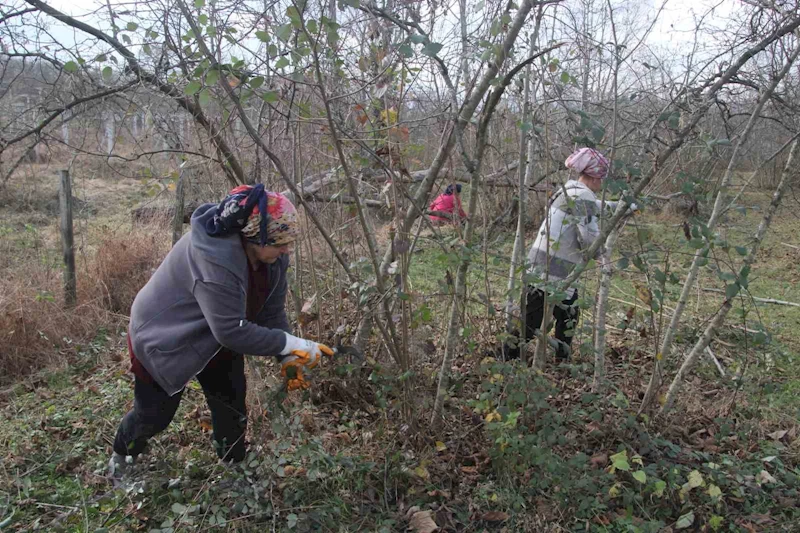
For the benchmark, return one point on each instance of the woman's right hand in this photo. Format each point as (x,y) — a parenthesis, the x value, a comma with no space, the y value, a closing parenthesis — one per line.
(299,356)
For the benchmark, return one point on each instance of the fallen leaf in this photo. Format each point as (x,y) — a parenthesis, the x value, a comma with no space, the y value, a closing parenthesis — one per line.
(599,461)
(422,522)
(760,519)
(308,314)
(422,472)
(494,516)
(205,423)
(469,469)
(778,435)
(440,446)
(765,477)
(695,479)
(685,521)
(439,494)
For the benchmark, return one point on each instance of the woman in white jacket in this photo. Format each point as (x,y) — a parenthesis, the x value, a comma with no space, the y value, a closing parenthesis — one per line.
(568,231)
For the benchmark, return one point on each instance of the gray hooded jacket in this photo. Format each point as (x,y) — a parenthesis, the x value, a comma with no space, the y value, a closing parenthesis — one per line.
(196,302)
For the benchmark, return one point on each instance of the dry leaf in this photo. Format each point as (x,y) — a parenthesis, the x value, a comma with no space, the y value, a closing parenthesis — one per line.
(205,423)
(308,313)
(600,460)
(778,435)
(422,472)
(764,477)
(760,519)
(469,469)
(643,293)
(494,516)
(422,522)
(439,494)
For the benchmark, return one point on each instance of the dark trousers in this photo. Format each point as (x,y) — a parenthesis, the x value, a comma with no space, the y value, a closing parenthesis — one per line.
(565,313)
(225,388)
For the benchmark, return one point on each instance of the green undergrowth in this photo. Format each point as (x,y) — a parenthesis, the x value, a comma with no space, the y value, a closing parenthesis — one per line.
(518,450)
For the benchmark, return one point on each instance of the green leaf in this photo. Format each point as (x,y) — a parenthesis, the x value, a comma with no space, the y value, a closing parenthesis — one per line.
(565,77)
(714,491)
(212,77)
(284,32)
(418,39)
(695,479)
(178,508)
(640,476)
(100,58)
(203,19)
(199,3)
(204,96)
(70,66)
(282,62)
(192,88)
(406,50)
(685,521)
(744,273)
(352,3)
(731,290)
(716,522)
(132,26)
(126,39)
(622,264)
(312,27)
(620,461)
(659,488)
(291,521)
(431,49)
(262,36)
(107,73)
(294,16)
(146,49)
(256,82)
(270,97)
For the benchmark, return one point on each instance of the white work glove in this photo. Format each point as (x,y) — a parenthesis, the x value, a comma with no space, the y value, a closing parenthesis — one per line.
(633,208)
(301,355)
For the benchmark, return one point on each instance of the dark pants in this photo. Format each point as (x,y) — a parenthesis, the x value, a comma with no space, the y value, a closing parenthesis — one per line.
(225,388)
(565,313)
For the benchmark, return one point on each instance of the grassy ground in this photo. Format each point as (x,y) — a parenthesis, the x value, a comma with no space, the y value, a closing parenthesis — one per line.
(517,451)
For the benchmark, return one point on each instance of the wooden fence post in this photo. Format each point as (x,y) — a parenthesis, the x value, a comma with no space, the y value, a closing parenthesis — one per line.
(180,195)
(67,240)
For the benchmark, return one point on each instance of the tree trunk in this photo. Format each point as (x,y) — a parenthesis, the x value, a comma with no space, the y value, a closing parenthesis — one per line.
(522,192)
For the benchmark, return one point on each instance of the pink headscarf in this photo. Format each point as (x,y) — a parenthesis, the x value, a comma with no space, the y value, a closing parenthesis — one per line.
(588,161)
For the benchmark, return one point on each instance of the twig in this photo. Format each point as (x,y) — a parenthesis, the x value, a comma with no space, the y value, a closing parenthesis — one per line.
(7,520)
(757,299)
(792,246)
(716,361)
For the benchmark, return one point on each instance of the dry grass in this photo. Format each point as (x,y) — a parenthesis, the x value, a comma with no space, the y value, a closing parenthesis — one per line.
(36,330)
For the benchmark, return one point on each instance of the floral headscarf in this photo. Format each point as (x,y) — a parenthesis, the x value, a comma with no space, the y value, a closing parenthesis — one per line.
(241,211)
(588,161)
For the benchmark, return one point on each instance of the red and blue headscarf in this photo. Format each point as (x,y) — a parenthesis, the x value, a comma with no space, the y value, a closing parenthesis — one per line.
(241,212)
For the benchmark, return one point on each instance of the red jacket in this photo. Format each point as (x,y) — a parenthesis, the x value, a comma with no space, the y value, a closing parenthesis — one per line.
(446,203)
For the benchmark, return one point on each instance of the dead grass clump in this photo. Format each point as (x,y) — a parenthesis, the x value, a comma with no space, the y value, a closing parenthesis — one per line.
(37,331)
(124,263)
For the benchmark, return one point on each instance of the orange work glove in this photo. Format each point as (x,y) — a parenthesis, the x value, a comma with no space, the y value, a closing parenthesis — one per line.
(300,356)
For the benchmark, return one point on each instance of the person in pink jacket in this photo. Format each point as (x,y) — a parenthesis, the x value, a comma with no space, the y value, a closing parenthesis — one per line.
(446,203)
